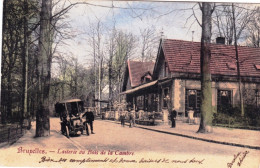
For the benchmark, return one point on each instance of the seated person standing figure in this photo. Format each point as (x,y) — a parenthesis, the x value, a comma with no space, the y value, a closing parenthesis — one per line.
(89,120)
(131,118)
(122,118)
(173,115)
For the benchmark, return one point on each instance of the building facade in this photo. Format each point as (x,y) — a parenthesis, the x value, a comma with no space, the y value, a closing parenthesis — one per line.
(175,79)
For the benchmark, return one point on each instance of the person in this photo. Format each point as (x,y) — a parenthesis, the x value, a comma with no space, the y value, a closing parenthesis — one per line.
(103,115)
(131,119)
(89,120)
(173,115)
(122,119)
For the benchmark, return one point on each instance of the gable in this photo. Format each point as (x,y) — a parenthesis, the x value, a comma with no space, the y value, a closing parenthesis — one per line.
(137,69)
(126,79)
(134,72)
(161,62)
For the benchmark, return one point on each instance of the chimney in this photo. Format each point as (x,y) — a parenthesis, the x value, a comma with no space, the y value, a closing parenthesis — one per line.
(220,40)
(162,34)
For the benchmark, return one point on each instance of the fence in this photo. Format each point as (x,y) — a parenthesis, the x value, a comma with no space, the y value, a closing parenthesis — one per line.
(11,133)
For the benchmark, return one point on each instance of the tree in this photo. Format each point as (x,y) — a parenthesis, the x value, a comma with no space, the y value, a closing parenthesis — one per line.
(253,30)
(17,41)
(44,70)
(125,44)
(238,66)
(223,20)
(71,80)
(95,42)
(10,55)
(111,50)
(149,43)
(118,49)
(231,21)
(21,33)
(205,54)
(25,64)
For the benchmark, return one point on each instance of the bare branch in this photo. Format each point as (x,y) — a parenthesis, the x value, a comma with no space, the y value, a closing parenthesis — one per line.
(196,17)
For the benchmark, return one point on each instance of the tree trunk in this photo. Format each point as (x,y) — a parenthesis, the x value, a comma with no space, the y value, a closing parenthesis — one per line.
(9,97)
(94,61)
(206,97)
(76,78)
(43,71)
(25,65)
(99,84)
(110,68)
(63,84)
(3,92)
(238,66)
(110,78)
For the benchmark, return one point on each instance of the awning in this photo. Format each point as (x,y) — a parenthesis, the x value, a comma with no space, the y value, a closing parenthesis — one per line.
(164,81)
(101,101)
(147,85)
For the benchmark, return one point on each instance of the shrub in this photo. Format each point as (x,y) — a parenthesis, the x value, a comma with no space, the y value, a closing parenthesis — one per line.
(229,110)
(252,112)
(232,117)
(221,118)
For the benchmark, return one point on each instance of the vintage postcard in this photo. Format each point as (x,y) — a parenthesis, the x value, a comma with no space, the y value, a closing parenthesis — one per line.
(130,84)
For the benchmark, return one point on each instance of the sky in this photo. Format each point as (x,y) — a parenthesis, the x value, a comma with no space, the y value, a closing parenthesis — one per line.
(167,17)
(172,18)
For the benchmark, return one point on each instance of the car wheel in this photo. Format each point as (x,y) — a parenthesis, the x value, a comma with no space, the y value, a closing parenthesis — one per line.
(67,132)
(62,129)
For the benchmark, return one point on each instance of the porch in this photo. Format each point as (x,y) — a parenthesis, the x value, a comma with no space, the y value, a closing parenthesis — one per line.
(152,101)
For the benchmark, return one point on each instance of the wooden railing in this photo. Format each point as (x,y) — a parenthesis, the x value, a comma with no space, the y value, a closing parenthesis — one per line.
(11,133)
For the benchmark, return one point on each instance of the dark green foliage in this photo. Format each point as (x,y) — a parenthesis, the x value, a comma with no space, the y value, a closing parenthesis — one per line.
(12,93)
(231,111)
(231,117)
(253,113)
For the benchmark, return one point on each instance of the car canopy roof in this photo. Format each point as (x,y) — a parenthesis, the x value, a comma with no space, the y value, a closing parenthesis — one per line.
(71,101)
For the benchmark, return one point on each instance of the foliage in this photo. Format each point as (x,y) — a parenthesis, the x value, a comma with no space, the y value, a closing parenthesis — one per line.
(229,110)
(231,117)
(18,23)
(72,81)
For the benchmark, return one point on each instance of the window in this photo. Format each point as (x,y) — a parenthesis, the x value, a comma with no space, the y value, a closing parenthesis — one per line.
(165,69)
(145,102)
(224,98)
(140,102)
(166,97)
(192,101)
(146,78)
(257,96)
(154,102)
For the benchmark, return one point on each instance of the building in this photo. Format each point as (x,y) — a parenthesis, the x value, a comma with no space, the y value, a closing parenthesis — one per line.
(176,79)
(138,74)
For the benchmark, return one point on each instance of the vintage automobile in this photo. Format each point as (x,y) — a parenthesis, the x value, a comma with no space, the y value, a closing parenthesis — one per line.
(70,113)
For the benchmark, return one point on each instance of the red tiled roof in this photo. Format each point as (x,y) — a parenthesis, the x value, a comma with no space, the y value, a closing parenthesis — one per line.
(184,56)
(137,70)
